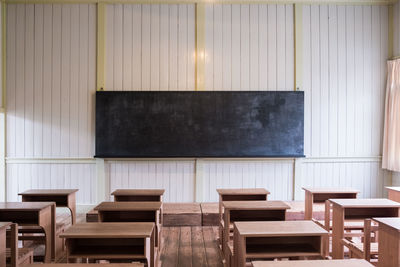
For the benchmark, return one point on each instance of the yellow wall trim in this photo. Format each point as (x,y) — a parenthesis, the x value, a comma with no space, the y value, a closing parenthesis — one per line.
(101,46)
(337,2)
(200,46)
(298,46)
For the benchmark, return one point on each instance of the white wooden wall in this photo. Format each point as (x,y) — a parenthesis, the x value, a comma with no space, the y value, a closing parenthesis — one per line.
(23,176)
(51,75)
(150,47)
(51,81)
(176,177)
(344,71)
(274,175)
(249,47)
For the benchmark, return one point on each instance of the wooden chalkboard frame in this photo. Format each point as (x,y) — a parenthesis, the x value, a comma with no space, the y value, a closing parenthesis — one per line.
(112,107)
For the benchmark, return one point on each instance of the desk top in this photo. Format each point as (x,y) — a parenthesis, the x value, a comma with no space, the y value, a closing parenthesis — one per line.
(136,264)
(109,230)
(48,192)
(394,188)
(365,203)
(281,228)
(128,206)
(138,192)
(314,263)
(243,191)
(328,190)
(392,222)
(255,205)
(4,224)
(24,206)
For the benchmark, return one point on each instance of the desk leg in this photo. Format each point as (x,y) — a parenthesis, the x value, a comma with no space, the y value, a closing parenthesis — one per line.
(337,232)
(308,208)
(152,244)
(3,247)
(47,222)
(72,207)
(53,232)
(239,250)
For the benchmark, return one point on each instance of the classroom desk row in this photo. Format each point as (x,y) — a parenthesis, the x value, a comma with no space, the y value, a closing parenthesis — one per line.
(38,209)
(238,205)
(128,229)
(39,206)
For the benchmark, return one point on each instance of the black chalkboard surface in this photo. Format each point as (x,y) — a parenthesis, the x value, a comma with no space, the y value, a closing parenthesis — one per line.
(137,124)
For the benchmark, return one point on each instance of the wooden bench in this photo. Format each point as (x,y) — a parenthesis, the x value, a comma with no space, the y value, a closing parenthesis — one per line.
(111,241)
(363,250)
(357,209)
(313,263)
(181,214)
(33,214)
(275,240)
(17,256)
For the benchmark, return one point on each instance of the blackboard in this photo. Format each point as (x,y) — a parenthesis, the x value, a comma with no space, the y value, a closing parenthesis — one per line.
(137,124)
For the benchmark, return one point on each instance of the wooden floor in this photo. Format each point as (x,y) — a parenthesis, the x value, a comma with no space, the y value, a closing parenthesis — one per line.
(190,246)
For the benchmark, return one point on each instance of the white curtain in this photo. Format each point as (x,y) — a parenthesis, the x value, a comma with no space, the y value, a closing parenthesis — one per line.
(391,134)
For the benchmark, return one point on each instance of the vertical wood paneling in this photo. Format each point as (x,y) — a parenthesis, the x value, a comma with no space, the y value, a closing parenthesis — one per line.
(176,177)
(249,47)
(21,177)
(345,49)
(366,176)
(51,74)
(50,80)
(275,176)
(150,47)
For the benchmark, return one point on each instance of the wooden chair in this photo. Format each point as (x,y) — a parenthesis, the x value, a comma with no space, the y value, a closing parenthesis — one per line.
(366,250)
(327,225)
(34,235)
(17,256)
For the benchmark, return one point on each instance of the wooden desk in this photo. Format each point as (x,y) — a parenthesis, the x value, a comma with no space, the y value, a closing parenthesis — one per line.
(135,264)
(33,214)
(110,241)
(388,242)
(314,263)
(240,194)
(138,195)
(393,193)
(3,229)
(62,197)
(235,211)
(357,209)
(131,212)
(320,195)
(270,240)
